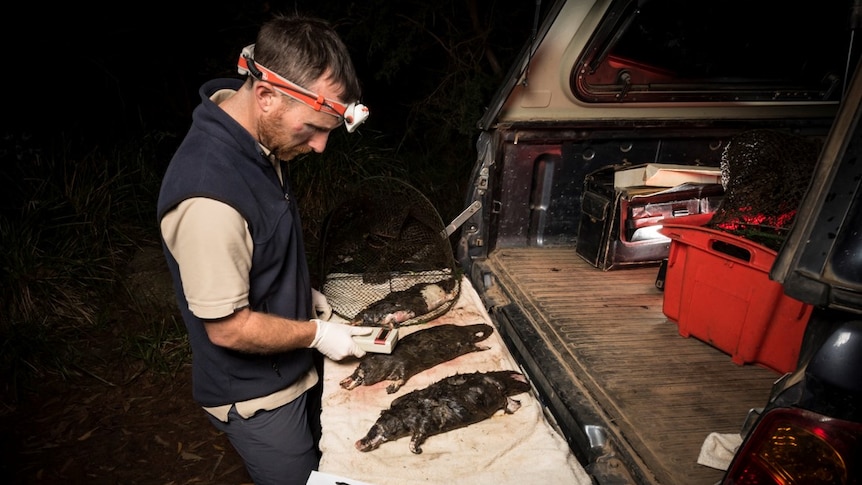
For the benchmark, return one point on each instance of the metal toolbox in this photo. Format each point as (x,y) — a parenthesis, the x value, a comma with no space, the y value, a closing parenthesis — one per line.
(619,227)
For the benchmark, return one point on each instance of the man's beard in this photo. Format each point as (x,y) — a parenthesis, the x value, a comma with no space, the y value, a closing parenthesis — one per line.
(271,132)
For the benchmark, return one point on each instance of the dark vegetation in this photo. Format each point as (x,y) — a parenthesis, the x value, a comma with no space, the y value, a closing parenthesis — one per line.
(93,352)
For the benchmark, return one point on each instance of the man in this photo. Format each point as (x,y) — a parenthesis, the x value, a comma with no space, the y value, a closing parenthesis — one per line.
(233,243)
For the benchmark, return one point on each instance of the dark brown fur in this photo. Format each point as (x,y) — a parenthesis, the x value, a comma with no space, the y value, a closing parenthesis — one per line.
(451,403)
(417,352)
(400,306)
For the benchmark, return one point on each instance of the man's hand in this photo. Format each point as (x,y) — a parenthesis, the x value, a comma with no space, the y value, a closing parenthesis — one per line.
(335,340)
(322,308)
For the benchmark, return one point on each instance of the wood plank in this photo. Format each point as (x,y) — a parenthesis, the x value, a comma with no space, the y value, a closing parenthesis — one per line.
(666,393)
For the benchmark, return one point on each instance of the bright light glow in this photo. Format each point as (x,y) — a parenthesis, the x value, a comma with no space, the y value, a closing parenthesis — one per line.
(842,339)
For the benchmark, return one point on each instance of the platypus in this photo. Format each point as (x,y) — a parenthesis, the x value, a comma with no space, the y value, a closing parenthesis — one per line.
(450,403)
(400,306)
(417,352)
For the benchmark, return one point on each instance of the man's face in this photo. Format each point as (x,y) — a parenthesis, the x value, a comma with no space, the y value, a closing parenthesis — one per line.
(292,128)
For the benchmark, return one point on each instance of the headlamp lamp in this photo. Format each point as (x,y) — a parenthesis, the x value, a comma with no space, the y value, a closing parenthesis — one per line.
(353,114)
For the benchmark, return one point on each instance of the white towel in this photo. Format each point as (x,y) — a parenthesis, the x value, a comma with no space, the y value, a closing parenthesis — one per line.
(506,449)
(718,449)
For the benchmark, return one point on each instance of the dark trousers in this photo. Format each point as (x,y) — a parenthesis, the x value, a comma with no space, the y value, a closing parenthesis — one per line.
(279,446)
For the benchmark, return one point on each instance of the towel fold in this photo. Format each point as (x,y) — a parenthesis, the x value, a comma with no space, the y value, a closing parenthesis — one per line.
(718,449)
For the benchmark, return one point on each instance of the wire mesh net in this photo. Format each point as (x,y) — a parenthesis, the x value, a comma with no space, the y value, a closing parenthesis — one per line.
(765,174)
(385,258)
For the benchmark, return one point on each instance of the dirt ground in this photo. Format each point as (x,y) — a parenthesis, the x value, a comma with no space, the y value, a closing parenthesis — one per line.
(117,423)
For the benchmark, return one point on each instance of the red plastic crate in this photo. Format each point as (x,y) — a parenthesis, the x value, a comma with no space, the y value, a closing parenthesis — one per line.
(717,289)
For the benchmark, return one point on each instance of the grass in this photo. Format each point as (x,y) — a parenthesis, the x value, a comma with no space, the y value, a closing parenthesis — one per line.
(68,224)
(163,349)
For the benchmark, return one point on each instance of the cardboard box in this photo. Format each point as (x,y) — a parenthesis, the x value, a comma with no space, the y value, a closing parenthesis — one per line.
(717,289)
(665,175)
(619,228)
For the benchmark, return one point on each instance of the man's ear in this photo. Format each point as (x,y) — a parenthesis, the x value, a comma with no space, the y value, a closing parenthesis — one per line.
(265,95)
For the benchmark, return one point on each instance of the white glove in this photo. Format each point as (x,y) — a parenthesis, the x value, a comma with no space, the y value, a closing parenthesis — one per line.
(335,340)
(322,308)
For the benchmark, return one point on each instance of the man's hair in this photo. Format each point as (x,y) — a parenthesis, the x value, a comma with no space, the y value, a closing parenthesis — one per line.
(303,49)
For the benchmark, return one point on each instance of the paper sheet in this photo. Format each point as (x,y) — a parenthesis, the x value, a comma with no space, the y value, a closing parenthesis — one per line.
(505,449)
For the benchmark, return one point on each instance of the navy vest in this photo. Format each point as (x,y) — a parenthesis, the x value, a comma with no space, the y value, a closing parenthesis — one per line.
(220,160)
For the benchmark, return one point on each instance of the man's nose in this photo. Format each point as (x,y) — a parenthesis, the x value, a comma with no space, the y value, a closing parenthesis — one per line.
(318,142)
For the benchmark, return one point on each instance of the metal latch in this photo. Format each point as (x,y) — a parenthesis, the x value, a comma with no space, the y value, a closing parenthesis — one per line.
(462,217)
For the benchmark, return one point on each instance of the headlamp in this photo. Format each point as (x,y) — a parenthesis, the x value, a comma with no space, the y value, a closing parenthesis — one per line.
(353,114)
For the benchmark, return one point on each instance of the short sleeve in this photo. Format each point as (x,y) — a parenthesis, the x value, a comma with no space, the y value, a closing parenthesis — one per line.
(211,243)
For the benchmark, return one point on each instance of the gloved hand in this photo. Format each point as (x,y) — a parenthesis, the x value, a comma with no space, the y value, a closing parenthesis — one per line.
(322,308)
(335,340)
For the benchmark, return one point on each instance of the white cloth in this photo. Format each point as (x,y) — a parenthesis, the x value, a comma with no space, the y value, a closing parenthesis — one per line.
(505,449)
(718,449)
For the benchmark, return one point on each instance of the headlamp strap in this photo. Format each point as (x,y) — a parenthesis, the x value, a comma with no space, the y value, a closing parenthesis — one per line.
(353,114)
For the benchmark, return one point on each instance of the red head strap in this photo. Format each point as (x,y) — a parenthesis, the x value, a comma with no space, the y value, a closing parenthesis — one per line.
(353,114)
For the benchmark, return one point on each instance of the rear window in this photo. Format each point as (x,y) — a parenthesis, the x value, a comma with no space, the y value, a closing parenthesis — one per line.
(724,50)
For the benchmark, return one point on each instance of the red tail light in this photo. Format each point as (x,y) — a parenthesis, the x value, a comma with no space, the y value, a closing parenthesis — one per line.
(794,446)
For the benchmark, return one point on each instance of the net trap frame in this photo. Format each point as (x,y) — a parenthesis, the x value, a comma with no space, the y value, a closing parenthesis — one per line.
(385,257)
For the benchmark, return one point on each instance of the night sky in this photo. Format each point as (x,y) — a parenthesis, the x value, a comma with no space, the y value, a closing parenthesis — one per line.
(106,71)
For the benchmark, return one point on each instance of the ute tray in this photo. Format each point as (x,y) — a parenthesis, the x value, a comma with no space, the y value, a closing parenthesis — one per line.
(599,349)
